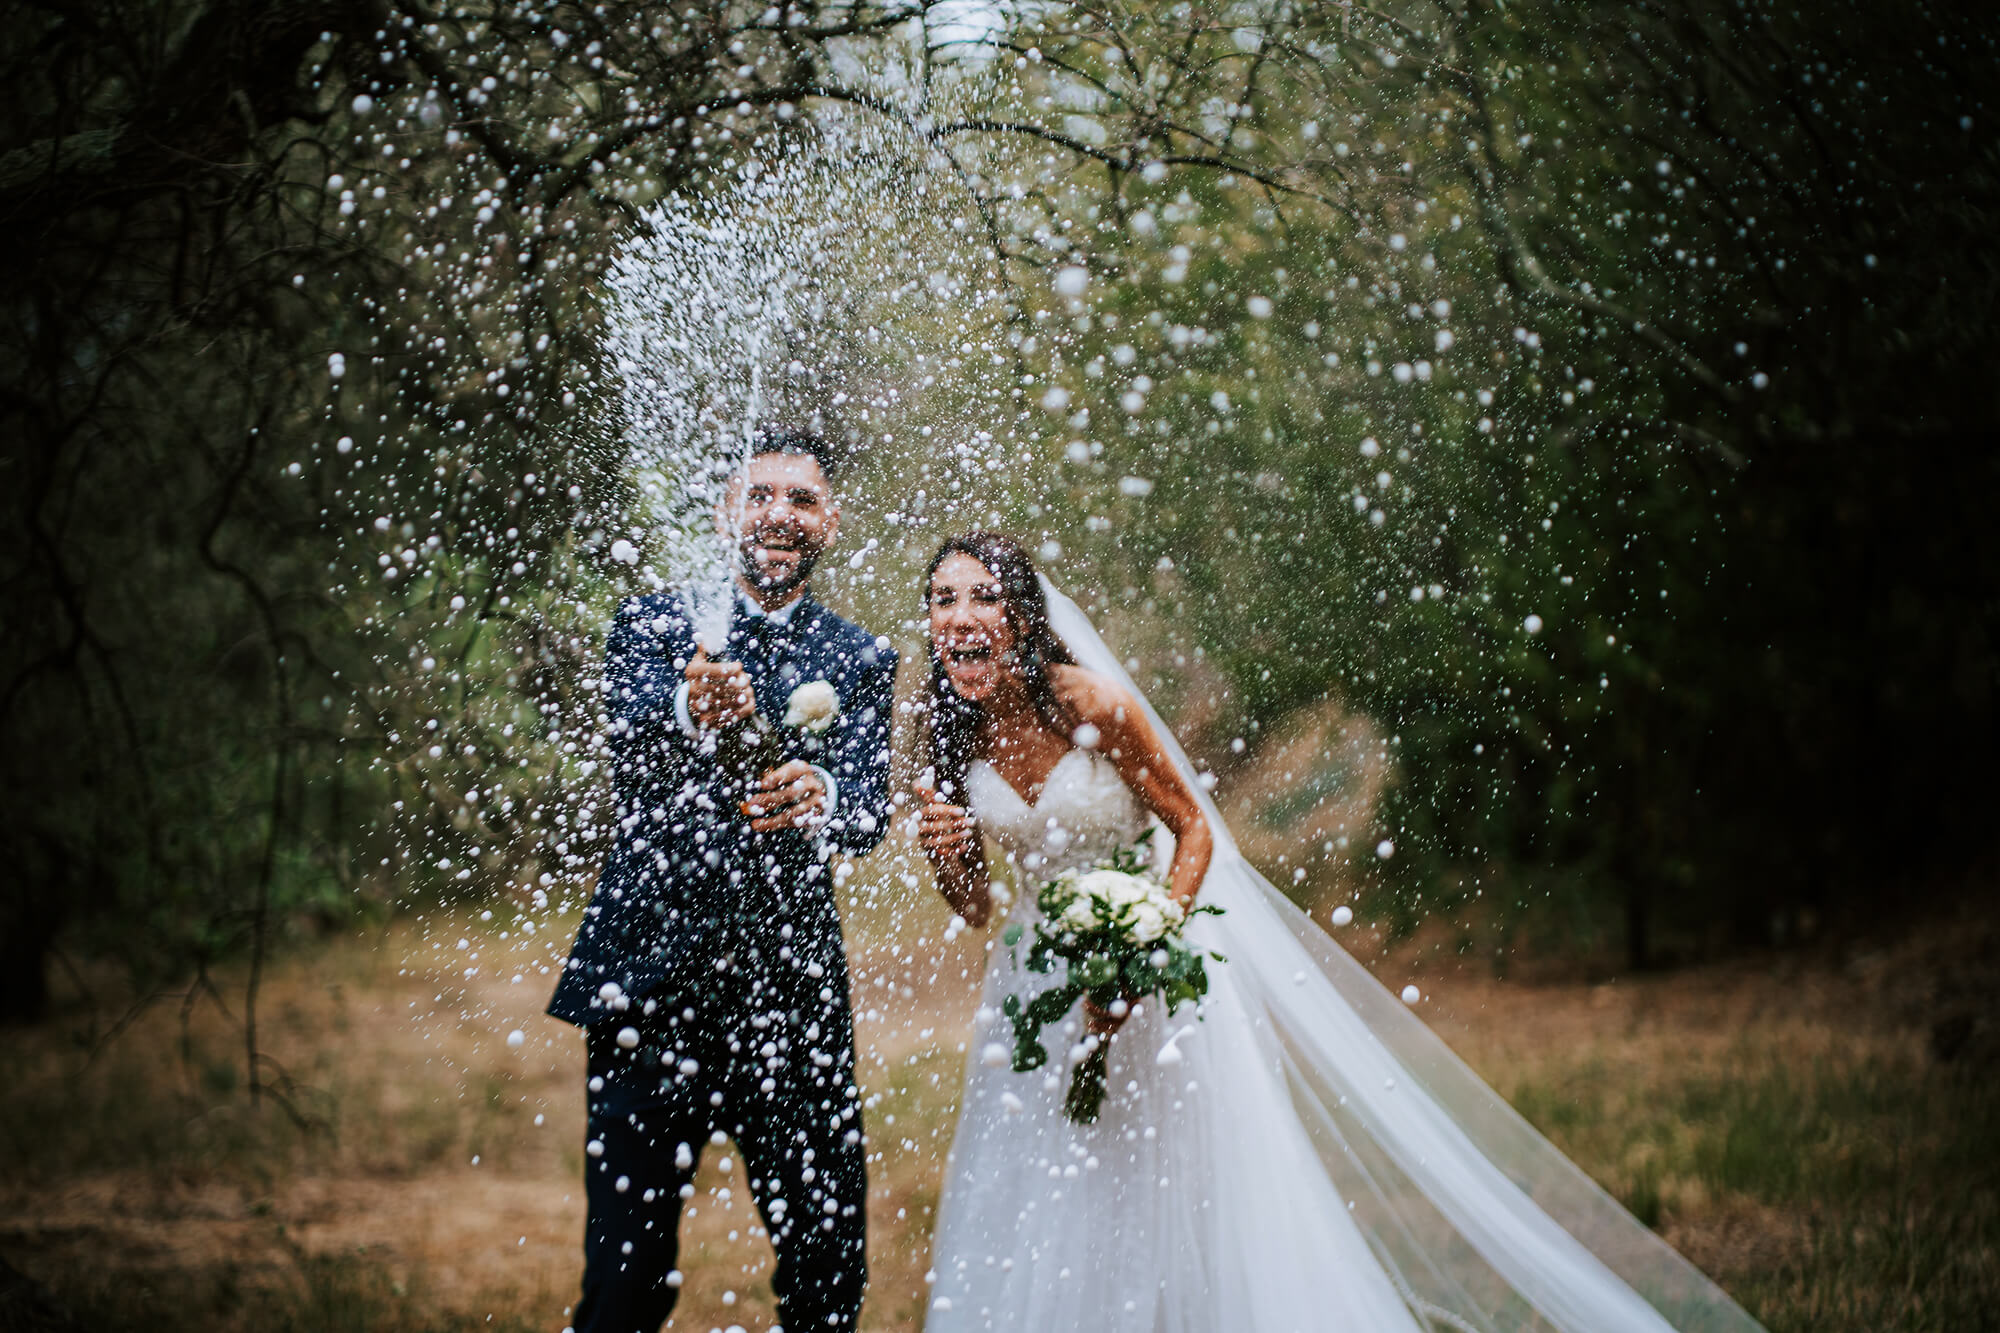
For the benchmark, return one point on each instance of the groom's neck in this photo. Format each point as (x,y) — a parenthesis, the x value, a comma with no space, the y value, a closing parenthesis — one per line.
(768,599)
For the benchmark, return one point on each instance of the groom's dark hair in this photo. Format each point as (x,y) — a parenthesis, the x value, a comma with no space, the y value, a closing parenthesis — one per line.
(797,440)
(954,723)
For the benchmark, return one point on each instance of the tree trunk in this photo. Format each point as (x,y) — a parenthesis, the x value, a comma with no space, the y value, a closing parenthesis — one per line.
(26,935)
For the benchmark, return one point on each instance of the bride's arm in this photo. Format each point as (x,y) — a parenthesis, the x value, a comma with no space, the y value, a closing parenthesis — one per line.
(950,840)
(1128,740)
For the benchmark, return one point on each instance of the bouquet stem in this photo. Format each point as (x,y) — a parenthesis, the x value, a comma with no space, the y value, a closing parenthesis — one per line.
(1086,1087)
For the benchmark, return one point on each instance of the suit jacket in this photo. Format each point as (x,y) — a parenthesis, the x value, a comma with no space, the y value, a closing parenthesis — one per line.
(686,881)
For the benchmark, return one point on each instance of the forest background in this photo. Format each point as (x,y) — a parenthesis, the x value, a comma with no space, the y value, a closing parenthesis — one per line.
(1583,413)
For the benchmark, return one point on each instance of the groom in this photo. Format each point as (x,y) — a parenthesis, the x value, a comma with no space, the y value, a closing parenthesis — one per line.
(708,973)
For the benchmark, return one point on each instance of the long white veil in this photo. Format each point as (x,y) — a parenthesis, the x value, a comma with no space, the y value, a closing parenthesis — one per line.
(1479,1220)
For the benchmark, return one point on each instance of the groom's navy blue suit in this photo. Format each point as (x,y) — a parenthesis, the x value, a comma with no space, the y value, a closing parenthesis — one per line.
(709,976)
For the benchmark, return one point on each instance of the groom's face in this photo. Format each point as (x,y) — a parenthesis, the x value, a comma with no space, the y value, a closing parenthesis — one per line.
(788,520)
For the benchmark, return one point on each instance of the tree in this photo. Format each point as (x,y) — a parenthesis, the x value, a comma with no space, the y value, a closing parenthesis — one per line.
(1524,376)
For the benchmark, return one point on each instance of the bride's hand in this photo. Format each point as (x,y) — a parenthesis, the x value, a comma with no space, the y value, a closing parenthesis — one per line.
(944,831)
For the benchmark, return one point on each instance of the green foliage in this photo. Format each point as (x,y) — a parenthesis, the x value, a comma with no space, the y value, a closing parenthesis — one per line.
(1529,378)
(1668,328)
(303,572)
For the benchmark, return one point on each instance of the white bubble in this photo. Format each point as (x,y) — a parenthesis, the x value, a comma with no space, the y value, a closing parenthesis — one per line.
(1411,995)
(628,1038)
(363,104)
(994,1055)
(594,1148)
(1343,915)
(1071,280)
(517,1039)
(1259,306)
(624,552)
(1533,624)
(1385,849)
(1086,737)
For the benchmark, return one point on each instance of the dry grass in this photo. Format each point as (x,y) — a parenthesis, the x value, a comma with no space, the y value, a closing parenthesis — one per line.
(1784,1124)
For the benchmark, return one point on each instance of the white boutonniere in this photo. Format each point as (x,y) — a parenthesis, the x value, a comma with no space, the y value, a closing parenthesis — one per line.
(813,706)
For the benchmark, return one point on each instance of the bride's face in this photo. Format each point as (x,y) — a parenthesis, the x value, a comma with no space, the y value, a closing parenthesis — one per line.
(969,628)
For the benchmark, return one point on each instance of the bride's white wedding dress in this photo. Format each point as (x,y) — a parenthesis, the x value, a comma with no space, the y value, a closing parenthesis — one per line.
(1304,1156)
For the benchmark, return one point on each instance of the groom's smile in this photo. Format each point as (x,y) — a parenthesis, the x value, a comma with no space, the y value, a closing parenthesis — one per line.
(785,518)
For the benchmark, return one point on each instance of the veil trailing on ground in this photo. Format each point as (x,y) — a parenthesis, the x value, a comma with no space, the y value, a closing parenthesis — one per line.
(1480,1222)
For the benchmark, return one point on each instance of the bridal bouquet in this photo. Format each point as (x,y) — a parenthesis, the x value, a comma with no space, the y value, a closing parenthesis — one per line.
(1118,931)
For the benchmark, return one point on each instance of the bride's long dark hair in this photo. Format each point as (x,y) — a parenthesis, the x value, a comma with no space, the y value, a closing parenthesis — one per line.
(954,722)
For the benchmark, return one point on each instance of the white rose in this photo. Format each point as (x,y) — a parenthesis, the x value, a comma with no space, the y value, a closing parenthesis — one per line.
(1113,887)
(1148,922)
(1131,892)
(1080,915)
(812,706)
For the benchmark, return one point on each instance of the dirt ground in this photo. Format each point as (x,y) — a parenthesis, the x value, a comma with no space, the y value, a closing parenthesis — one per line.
(436,1183)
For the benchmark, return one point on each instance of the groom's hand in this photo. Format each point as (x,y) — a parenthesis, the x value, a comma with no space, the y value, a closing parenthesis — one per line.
(792,795)
(719,693)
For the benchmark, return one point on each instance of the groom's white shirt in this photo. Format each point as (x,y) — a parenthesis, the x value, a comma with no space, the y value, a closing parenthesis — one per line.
(782,616)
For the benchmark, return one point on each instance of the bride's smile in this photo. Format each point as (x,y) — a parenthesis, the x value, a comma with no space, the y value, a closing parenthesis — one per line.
(969,627)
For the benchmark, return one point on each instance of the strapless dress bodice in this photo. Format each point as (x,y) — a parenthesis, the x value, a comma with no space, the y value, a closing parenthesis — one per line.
(1084,813)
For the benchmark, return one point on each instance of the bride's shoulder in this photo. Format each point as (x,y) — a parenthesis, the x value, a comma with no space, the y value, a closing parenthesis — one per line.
(1091,697)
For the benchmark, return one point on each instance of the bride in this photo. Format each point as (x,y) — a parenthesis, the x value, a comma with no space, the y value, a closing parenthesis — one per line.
(1302,1153)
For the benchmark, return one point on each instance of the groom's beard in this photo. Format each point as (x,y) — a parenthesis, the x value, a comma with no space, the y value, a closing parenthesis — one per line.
(777,581)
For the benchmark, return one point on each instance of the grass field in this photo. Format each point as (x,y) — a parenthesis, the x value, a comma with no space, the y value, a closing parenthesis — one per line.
(1786,1122)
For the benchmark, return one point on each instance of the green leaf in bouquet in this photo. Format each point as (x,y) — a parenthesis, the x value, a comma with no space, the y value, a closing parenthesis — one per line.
(1051,1005)
(1012,935)
(1028,1054)
(1098,970)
